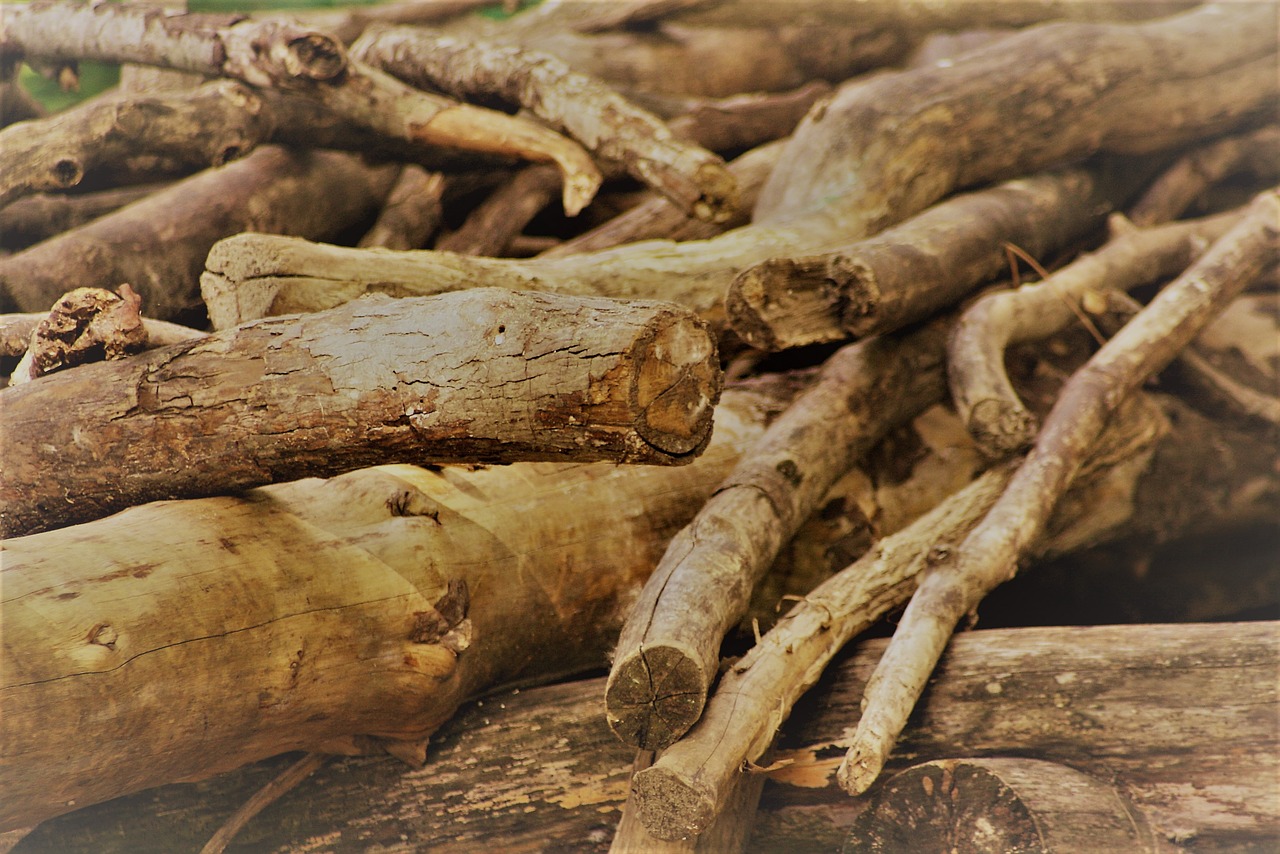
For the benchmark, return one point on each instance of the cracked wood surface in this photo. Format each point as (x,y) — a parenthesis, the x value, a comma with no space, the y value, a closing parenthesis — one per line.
(479,376)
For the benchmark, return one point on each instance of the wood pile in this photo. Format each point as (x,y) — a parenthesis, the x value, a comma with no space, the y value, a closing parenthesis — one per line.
(552,416)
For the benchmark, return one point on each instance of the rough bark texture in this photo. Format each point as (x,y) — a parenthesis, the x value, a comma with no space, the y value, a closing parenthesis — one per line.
(305,614)
(913,270)
(479,376)
(16,329)
(903,138)
(669,648)
(1179,717)
(262,53)
(158,245)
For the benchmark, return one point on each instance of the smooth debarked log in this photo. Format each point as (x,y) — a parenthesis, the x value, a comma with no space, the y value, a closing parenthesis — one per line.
(1177,718)
(478,376)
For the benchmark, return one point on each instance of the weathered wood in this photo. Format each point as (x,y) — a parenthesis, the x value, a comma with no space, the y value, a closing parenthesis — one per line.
(16,329)
(983,393)
(478,376)
(1216,70)
(303,615)
(990,554)
(911,271)
(1257,151)
(887,147)
(604,122)
(669,650)
(158,245)
(1180,717)
(411,213)
(213,125)
(1000,804)
(42,215)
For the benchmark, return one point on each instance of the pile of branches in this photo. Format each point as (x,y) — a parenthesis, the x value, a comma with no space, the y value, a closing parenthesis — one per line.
(625,249)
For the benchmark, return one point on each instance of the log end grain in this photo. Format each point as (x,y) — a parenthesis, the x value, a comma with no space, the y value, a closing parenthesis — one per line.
(655,695)
(670,806)
(998,804)
(1001,427)
(787,302)
(677,385)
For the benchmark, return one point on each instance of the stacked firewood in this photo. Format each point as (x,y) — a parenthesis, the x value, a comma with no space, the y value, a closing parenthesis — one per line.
(369,362)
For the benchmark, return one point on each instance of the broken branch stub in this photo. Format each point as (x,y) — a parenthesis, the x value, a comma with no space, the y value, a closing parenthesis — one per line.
(478,376)
(918,267)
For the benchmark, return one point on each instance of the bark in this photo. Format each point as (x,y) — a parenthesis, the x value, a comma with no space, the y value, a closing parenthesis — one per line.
(669,648)
(16,104)
(209,127)
(603,121)
(480,376)
(903,159)
(1037,98)
(347,23)
(1175,190)
(746,121)
(1180,718)
(913,270)
(158,245)
(412,211)
(983,393)
(319,615)
(990,553)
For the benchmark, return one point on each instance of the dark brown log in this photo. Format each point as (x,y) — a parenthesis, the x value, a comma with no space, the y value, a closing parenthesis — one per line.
(1179,717)
(412,211)
(478,376)
(43,215)
(158,245)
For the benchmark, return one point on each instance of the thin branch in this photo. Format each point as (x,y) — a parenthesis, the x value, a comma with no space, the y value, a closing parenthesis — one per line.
(990,554)
(980,387)
(281,785)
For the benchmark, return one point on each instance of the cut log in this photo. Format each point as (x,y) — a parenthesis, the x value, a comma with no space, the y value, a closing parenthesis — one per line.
(1180,718)
(305,614)
(479,376)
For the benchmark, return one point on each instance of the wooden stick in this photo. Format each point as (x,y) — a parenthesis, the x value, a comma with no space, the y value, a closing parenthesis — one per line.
(668,652)
(918,267)
(980,387)
(310,597)
(990,554)
(603,121)
(496,221)
(477,376)
(412,211)
(158,245)
(16,329)
(263,798)
(1228,53)
(43,215)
